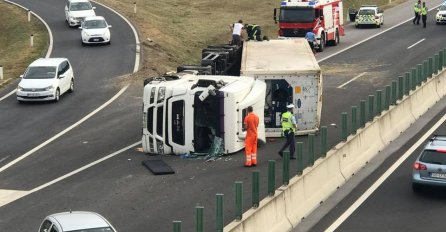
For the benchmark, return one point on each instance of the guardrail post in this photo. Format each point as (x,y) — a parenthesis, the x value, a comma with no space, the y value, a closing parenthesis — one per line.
(419,74)
(394,86)
(400,87)
(1,72)
(238,200)
(431,66)
(199,210)
(176,226)
(437,58)
(441,61)
(286,168)
(354,119)
(29,15)
(406,83)
(311,158)
(444,57)
(300,159)
(324,144)
(271,177)
(134,7)
(371,107)
(344,126)
(31,41)
(387,97)
(362,113)
(379,97)
(413,74)
(425,70)
(219,212)
(255,188)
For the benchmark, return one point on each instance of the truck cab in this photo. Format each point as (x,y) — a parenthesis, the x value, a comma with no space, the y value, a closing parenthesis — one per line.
(190,113)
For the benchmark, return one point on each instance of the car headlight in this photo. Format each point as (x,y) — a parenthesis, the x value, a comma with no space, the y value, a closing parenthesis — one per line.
(20,88)
(49,88)
(161,94)
(85,34)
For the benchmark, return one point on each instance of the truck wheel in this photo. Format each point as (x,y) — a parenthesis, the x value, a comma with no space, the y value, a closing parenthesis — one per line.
(322,43)
(336,39)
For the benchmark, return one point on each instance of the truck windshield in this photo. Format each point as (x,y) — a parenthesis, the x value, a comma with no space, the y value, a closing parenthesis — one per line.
(297,15)
(207,118)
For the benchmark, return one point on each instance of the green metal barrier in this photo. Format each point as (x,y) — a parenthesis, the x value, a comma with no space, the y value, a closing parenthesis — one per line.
(406,83)
(362,113)
(344,126)
(394,93)
(311,157)
(387,97)
(436,65)
(238,200)
(219,221)
(431,67)
(176,226)
(425,70)
(354,119)
(271,177)
(199,210)
(371,107)
(286,168)
(413,74)
(379,97)
(255,188)
(419,74)
(300,159)
(400,87)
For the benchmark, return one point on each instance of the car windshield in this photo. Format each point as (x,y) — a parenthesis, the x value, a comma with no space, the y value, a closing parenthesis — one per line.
(102,229)
(43,72)
(297,15)
(75,6)
(91,24)
(442,8)
(433,157)
(366,12)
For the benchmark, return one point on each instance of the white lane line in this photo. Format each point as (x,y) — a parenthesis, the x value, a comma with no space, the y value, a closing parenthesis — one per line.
(354,78)
(371,37)
(8,196)
(381,179)
(138,45)
(411,46)
(30,152)
(7,95)
(4,158)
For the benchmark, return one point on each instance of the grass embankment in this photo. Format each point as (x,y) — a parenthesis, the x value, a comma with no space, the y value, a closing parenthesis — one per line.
(179,29)
(15,51)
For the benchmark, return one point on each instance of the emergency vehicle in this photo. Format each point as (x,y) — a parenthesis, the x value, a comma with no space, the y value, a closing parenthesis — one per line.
(323,17)
(369,15)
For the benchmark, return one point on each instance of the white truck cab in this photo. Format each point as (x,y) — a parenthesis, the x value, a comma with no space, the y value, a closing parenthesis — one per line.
(190,113)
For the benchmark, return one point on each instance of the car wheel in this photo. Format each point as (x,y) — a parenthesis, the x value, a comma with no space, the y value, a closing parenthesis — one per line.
(416,188)
(322,43)
(71,86)
(57,95)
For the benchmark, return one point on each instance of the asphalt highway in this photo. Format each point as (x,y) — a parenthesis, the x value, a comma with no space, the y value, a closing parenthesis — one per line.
(56,177)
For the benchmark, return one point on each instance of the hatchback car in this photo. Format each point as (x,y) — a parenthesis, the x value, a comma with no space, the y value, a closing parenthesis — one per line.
(46,79)
(77,10)
(95,30)
(441,14)
(429,168)
(369,15)
(76,221)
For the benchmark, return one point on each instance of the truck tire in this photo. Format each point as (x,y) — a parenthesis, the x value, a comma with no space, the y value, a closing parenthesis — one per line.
(322,43)
(336,39)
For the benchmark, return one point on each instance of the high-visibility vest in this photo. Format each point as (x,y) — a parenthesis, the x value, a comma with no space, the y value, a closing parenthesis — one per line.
(287,124)
(424,10)
(417,8)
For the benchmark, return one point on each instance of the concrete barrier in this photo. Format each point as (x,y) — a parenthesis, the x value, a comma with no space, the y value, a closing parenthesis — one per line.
(304,193)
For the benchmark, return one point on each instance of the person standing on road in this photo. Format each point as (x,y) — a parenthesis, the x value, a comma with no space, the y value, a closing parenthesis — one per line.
(424,14)
(289,126)
(251,122)
(417,10)
(237,32)
(311,38)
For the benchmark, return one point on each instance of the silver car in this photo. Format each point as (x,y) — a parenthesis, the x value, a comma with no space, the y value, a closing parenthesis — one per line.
(429,168)
(76,221)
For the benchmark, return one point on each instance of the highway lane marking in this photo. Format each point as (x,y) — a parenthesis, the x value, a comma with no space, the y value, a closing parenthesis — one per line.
(8,94)
(30,152)
(354,78)
(4,158)
(8,196)
(373,36)
(381,179)
(411,46)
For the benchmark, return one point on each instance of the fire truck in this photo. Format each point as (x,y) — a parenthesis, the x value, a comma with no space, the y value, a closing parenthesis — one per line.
(323,17)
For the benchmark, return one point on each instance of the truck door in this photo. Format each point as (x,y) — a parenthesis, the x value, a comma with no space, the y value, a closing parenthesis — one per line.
(328,17)
(177,125)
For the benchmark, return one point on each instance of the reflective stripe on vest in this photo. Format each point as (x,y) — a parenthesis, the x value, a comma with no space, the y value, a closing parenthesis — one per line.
(423,10)
(286,121)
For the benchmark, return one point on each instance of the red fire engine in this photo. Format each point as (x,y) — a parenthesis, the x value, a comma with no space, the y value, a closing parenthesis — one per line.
(323,17)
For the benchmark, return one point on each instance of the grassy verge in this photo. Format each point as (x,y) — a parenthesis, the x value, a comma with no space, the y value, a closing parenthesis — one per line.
(15,51)
(174,32)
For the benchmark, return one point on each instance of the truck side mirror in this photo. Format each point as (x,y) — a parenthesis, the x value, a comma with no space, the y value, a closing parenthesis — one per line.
(275,15)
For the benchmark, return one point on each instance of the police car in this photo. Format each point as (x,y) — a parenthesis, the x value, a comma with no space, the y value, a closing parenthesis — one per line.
(441,14)
(369,15)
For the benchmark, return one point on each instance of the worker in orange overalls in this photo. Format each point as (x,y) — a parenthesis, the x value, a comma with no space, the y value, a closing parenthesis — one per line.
(251,123)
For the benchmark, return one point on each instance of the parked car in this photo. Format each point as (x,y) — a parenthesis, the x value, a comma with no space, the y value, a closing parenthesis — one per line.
(76,221)
(369,15)
(429,168)
(77,10)
(46,79)
(441,14)
(95,30)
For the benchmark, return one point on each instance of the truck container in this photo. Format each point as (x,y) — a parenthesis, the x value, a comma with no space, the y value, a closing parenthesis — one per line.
(292,76)
(189,113)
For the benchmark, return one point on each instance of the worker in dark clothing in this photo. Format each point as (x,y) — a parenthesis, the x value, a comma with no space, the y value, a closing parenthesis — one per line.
(424,14)
(289,126)
(254,32)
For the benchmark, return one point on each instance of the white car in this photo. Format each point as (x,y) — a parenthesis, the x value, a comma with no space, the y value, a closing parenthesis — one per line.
(369,15)
(95,30)
(46,79)
(441,14)
(76,221)
(77,10)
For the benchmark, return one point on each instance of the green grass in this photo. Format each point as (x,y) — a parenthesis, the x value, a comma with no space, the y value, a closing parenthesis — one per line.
(15,51)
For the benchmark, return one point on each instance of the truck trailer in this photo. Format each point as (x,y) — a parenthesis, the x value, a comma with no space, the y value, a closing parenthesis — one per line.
(187,113)
(292,76)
